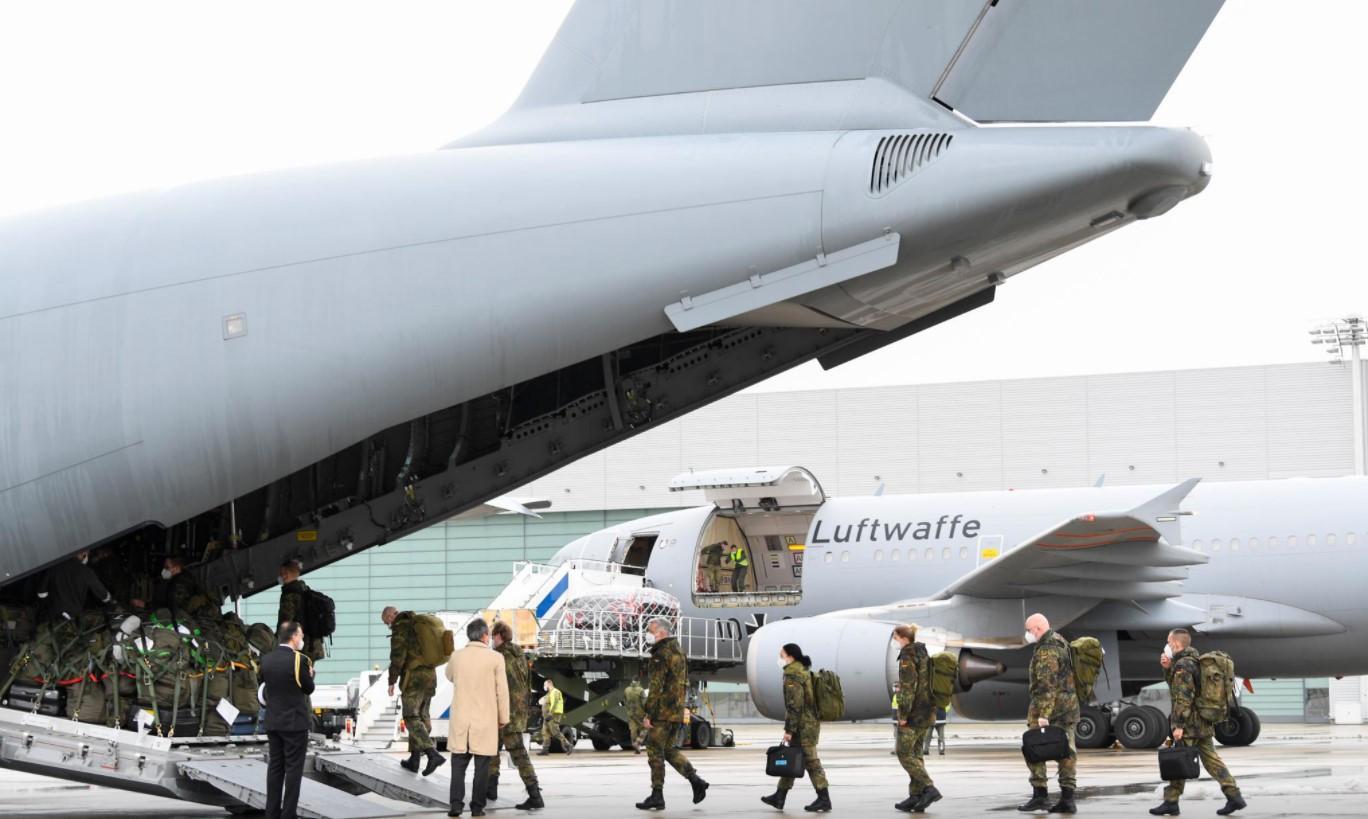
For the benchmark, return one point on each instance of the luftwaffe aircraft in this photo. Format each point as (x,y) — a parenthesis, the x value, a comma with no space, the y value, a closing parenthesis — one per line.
(689,196)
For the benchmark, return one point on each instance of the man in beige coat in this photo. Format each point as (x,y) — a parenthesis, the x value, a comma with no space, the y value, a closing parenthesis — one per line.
(479,709)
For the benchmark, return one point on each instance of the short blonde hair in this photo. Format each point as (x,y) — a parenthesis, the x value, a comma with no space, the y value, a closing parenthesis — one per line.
(906,632)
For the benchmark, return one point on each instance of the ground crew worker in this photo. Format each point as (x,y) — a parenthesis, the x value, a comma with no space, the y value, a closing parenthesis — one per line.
(511,735)
(553,708)
(712,567)
(1053,702)
(68,586)
(417,684)
(293,599)
(915,716)
(941,716)
(635,700)
(802,726)
(1183,673)
(667,683)
(740,564)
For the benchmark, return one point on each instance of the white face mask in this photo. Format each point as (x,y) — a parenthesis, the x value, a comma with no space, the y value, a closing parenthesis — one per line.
(783,663)
(85,560)
(650,638)
(1030,638)
(166,574)
(1168,651)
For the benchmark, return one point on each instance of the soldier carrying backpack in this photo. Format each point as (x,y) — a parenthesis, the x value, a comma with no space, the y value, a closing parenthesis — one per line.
(916,714)
(418,644)
(312,609)
(1202,690)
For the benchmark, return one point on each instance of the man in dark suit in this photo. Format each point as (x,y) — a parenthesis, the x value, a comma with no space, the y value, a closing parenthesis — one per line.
(287,681)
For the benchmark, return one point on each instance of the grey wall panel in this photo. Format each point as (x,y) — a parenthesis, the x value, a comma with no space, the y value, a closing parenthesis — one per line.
(959,437)
(876,441)
(1309,420)
(1043,445)
(1131,419)
(1222,424)
(798,428)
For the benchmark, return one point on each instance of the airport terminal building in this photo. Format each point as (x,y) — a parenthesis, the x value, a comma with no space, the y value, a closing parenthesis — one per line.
(1230,424)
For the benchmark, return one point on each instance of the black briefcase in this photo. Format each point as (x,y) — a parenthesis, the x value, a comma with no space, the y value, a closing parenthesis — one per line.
(1179,762)
(1048,744)
(785,760)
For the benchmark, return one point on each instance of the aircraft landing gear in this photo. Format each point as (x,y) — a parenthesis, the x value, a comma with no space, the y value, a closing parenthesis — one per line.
(1141,726)
(1094,728)
(1240,729)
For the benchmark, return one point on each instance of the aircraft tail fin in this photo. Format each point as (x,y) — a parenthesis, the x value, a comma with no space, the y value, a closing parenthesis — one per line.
(653,67)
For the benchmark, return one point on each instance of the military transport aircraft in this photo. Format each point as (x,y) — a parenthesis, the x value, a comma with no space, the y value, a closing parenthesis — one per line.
(1270,571)
(688,197)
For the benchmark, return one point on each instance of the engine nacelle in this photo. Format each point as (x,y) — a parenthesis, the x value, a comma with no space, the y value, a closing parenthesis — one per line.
(862,652)
(993,700)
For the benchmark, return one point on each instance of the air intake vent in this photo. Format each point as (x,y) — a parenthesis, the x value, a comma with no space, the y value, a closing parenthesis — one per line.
(898,157)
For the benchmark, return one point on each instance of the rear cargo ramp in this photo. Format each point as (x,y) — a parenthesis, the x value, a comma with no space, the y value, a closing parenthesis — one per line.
(245,781)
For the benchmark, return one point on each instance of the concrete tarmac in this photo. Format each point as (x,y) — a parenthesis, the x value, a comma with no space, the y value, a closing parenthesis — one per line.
(1293,770)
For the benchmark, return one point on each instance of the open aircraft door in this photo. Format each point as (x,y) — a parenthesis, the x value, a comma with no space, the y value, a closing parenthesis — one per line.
(751,550)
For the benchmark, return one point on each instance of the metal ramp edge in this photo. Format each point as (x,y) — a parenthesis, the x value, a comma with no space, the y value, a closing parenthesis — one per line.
(245,781)
(382,775)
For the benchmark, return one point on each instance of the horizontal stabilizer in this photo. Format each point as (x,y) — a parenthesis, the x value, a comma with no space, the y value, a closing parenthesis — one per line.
(655,67)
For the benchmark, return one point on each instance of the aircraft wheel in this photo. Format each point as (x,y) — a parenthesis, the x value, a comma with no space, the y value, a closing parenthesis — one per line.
(702,734)
(1229,731)
(602,744)
(1255,725)
(1136,727)
(1160,721)
(1094,728)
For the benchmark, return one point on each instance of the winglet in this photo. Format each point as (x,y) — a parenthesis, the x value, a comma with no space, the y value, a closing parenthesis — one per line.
(1163,511)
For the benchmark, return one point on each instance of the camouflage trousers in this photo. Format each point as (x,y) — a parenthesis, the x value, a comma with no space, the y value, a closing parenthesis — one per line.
(1206,749)
(713,576)
(660,748)
(551,729)
(811,763)
(1068,767)
(910,747)
(415,697)
(512,741)
(635,731)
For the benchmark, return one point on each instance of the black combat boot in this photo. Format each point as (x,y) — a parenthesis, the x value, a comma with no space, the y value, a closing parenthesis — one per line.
(908,803)
(411,764)
(545,749)
(534,800)
(700,788)
(435,761)
(1165,808)
(927,797)
(822,804)
(776,800)
(1233,803)
(1040,800)
(1065,803)
(492,792)
(656,801)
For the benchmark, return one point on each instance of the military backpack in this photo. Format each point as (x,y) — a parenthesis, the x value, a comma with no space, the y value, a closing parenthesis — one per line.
(944,674)
(1085,655)
(435,640)
(320,615)
(830,699)
(1215,687)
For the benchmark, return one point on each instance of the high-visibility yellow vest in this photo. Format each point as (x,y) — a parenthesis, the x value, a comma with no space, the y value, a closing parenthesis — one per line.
(555,702)
(738,557)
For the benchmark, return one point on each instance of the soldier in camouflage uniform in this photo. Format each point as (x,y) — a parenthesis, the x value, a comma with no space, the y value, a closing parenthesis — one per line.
(802,725)
(511,735)
(1054,701)
(634,698)
(1184,676)
(712,567)
(293,594)
(417,683)
(667,674)
(915,718)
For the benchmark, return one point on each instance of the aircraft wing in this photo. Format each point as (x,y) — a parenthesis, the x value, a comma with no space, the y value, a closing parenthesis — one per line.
(1128,555)
(639,67)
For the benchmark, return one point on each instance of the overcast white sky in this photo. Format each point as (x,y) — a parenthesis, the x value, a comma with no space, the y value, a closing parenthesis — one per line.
(99,98)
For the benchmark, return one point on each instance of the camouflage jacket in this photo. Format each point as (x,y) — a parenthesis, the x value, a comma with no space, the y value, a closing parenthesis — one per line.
(182,594)
(635,700)
(1052,682)
(914,686)
(800,705)
(1184,675)
(404,651)
(667,675)
(292,597)
(519,685)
